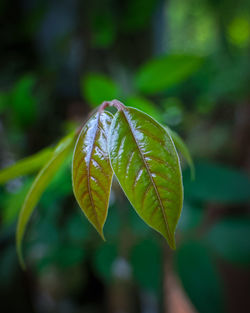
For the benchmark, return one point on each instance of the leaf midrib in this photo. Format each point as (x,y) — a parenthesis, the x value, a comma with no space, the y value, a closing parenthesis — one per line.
(149,174)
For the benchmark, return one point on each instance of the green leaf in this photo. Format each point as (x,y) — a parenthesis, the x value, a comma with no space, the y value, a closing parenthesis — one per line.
(162,73)
(96,87)
(200,277)
(147,167)
(40,183)
(183,149)
(218,183)
(91,171)
(25,166)
(229,239)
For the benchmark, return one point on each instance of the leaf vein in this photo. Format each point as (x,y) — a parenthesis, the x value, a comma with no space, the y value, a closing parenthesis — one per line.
(149,173)
(144,131)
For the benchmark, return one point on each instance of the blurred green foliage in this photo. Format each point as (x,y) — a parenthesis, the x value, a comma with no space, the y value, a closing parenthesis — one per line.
(155,76)
(230,185)
(97,88)
(200,277)
(186,63)
(229,238)
(146,261)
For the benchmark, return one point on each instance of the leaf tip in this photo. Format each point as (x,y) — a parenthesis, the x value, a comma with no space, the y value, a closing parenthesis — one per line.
(171,242)
(173,246)
(20,256)
(102,235)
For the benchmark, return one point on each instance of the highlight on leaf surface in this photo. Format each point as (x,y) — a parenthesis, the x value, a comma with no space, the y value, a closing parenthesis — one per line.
(91,171)
(40,183)
(25,166)
(146,164)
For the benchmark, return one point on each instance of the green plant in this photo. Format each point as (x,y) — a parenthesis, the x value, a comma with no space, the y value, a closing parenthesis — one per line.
(132,145)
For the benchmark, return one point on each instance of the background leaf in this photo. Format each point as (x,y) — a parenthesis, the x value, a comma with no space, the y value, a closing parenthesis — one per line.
(91,171)
(42,180)
(25,166)
(191,218)
(218,183)
(146,257)
(147,167)
(132,20)
(96,88)
(144,105)
(23,101)
(229,238)
(104,257)
(199,277)
(162,73)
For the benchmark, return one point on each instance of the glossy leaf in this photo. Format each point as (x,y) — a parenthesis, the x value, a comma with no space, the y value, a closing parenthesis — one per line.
(147,167)
(183,149)
(25,166)
(91,171)
(164,72)
(40,183)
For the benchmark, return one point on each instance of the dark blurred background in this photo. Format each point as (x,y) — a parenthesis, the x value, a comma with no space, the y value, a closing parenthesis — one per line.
(186,63)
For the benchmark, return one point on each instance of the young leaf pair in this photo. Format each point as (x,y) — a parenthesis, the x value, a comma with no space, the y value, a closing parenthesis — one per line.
(133,146)
(141,153)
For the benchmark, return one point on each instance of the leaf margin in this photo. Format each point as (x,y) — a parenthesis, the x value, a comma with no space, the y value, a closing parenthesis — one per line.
(171,240)
(25,166)
(100,231)
(61,150)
